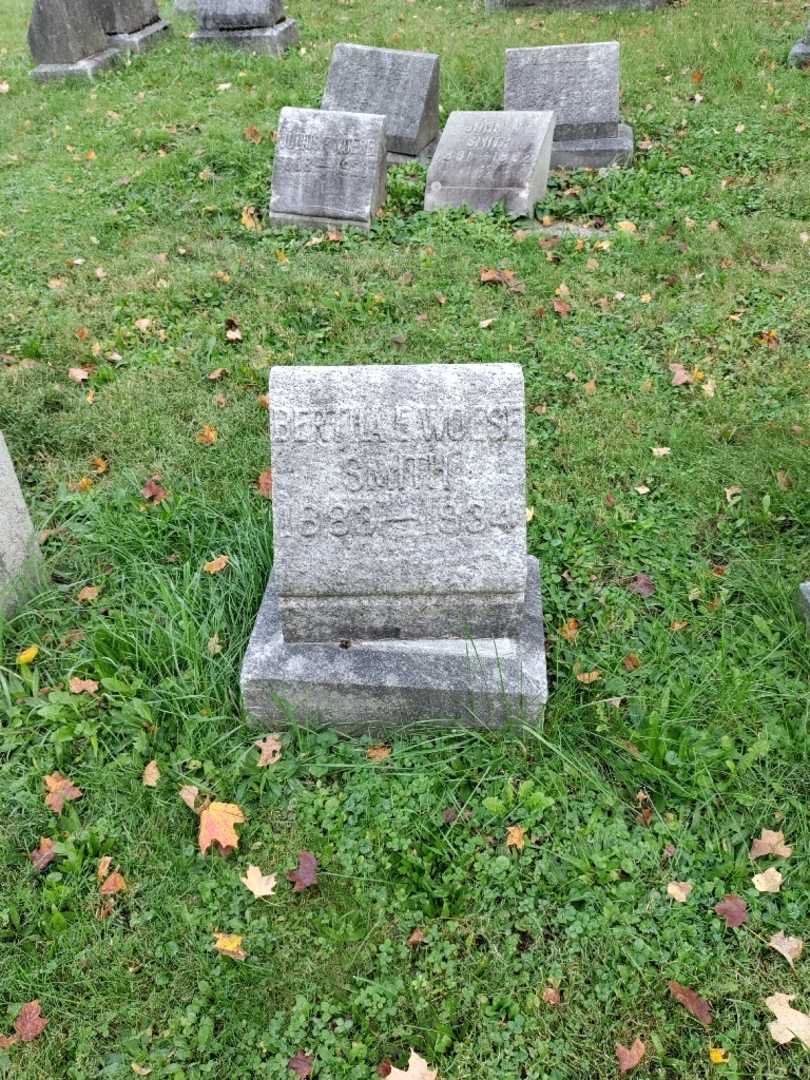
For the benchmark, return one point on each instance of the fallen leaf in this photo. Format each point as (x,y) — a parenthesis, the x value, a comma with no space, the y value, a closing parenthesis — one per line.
(378,753)
(418,1069)
(140,1070)
(217,565)
(207,435)
(232,331)
(305,874)
(269,751)
(627,226)
(516,837)
(485,324)
(660,451)
(301,1065)
(679,890)
(590,387)
(217,826)
(114,884)
(30,1022)
(631,662)
(732,492)
(642,489)
(416,937)
(790,1023)
(28,656)
(56,283)
(641,585)
(151,774)
(153,492)
(678,624)
(100,466)
(189,794)
(790,947)
(680,376)
(628,1058)
(718,1056)
(783,481)
(60,791)
(249,219)
(258,883)
(769,881)
(264,485)
(252,134)
(103,868)
(214,646)
(691,1001)
(501,277)
(770,843)
(733,909)
(229,945)
(88,593)
(551,995)
(44,855)
(78,374)
(82,686)
(4,87)
(569,629)
(588,676)
(562,308)
(217,374)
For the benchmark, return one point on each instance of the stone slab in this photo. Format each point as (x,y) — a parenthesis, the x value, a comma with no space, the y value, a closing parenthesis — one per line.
(399,500)
(140,41)
(126,16)
(803,602)
(82,69)
(424,157)
(329,169)
(238,14)
(402,86)
(268,41)
(580,83)
(487,158)
(379,685)
(185,7)
(20,560)
(800,53)
(594,153)
(574,6)
(62,33)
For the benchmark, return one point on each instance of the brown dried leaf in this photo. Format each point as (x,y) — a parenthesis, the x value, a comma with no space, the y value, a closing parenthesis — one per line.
(569,630)
(628,1058)
(258,883)
(588,677)
(82,686)
(770,843)
(151,774)
(264,484)
(679,890)
(30,1022)
(631,662)
(269,751)
(790,1023)
(153,492)
(207,435)
(250,220)
(252,134)
(641,585)
(301,1065)
(43,855)
(305,874)
(78,374)
(417,937)
(378,753)
(516,837)
(790,947)
(114,884)
(733,909)
(680,376)
(562,308)
(189,794)
(769,881)
(217,565)
(551,995)
(60,791)
(691,1001)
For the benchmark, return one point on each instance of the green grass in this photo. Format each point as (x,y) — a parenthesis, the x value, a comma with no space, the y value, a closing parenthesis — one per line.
(713,723)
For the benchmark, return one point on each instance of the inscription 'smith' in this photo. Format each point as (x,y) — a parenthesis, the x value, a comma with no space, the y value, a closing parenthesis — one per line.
(399,500)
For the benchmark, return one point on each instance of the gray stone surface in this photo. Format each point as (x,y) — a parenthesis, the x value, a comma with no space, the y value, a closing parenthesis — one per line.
(486,158)
(329,169)
(399,500)
(126,16)
(577,5)
(139,41)
(65,32)
(185,7)
(581,84)
(800,53)
(238,14)
(803,602)
(20,561)
(268,40)
(399,85)
(82,69)
(378,685)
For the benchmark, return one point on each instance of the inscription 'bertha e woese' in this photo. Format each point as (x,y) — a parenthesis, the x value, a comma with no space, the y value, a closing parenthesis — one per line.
(395,515)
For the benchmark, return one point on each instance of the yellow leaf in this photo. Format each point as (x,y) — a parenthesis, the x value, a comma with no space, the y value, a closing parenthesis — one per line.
(249,219)
(229,945)
(569,629)
(718,1056)
(627,227)
(207,436)
(215,566)
(28,656)
(516,837)
(217,825)
(258,883)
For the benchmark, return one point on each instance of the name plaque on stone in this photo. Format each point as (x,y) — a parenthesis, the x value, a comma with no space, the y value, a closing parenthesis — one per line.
(399,500)
(487,158)
(402,86)
(329,169)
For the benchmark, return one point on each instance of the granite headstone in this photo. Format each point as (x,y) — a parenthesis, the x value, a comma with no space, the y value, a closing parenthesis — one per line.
(803,602)
(487,158)
(401,587)
(20,561)
(800,53)
(402,86)
(581,84)
(329,169)
(133,25)
(67,40)
(251,25)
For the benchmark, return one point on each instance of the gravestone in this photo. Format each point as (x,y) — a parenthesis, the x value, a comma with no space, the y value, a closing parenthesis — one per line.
(186,7)
(67,40)
(20,560)
(401,86)
(577,5)
(800,53)
(329,169)
(581,84)
(259,26)
(133,25)
(401,587)
(803,602)
(487,158)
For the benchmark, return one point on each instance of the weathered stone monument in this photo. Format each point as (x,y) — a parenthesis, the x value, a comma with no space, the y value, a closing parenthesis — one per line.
(577,5)
(67,40)
(259,26)
(800,53)
(487,158)
(401,86)
(329,169)
(803,602)
(133,25)
(401,588)
(20,560)
(581,84)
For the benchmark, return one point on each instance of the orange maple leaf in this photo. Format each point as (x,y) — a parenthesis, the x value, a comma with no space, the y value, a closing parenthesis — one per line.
(60,791)
(217,823)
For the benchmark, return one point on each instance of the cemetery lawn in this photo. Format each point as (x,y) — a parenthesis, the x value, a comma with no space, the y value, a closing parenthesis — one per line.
(126,248)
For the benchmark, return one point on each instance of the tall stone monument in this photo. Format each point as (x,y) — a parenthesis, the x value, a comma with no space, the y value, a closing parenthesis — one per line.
(401,86)
(577,5)
(401,588)
(133,25)
(67,40)
(800,53)
(259,26)
(581,84)
(329,169)
(20,560)
(487,158)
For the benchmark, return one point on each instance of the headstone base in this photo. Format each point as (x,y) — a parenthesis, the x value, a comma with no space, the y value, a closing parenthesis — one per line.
(141,40)
(383,685)
(803,602)
(800,54)
(302,221)
(82,69)
(424,157)
(594,153)
(267,40)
